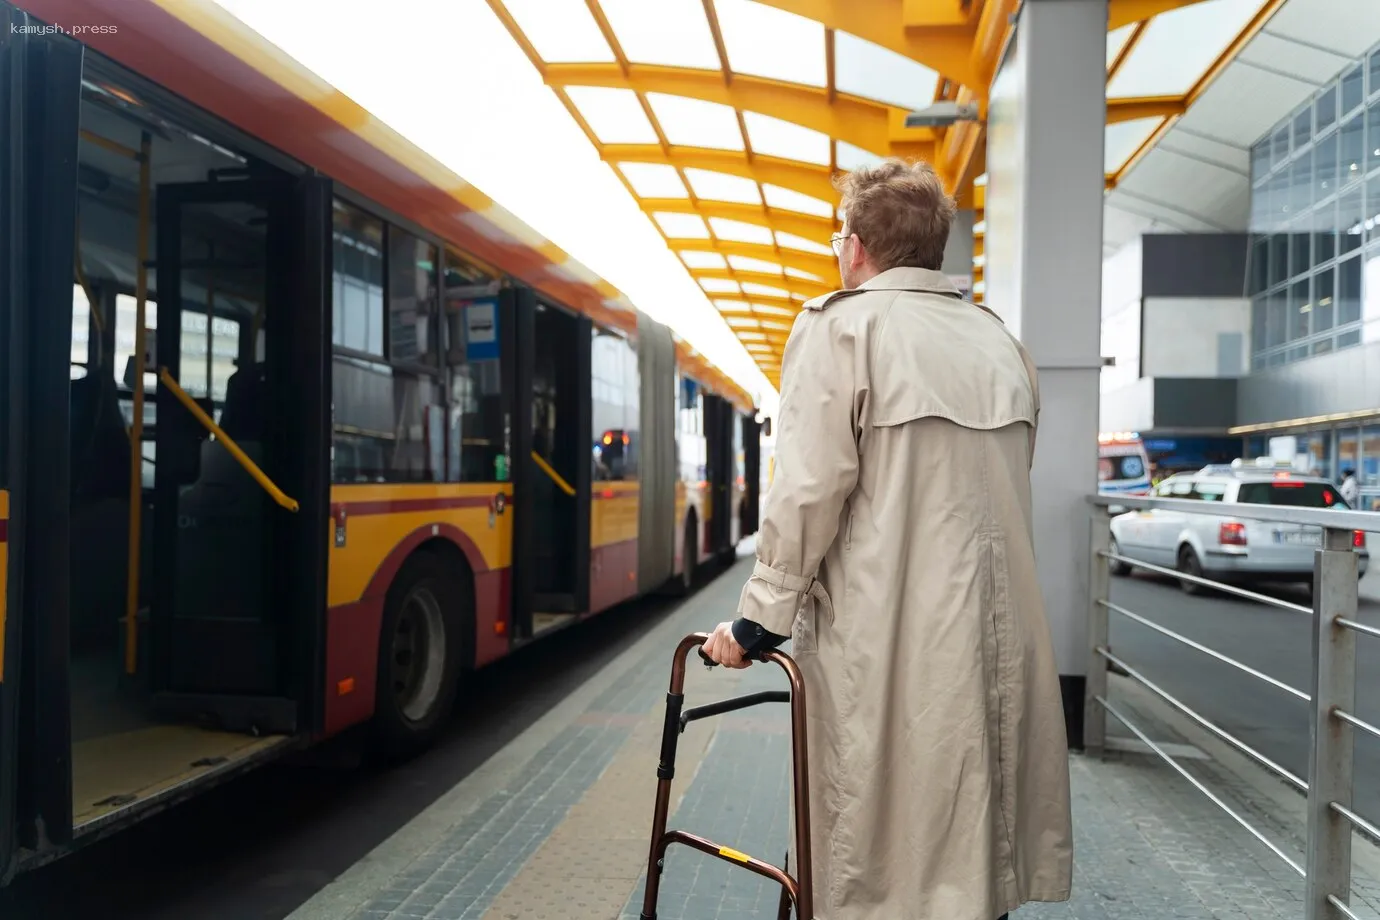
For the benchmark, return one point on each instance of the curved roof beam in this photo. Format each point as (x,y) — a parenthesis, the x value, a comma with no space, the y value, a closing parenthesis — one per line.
(821,265)
(818,229)
(805,178)
(944,49)
(872,126)
(801,286)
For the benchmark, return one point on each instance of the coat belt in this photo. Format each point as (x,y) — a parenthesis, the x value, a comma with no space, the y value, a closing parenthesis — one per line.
(810,589)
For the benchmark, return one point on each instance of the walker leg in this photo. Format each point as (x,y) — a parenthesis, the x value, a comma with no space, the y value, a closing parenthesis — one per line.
(783,910)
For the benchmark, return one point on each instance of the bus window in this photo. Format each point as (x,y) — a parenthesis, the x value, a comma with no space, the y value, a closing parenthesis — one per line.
(472,330)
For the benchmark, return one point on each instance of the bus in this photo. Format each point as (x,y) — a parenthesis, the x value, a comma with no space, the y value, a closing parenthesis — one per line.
(296,426)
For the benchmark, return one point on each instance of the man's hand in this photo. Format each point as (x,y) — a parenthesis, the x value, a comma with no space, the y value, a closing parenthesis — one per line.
(724,649)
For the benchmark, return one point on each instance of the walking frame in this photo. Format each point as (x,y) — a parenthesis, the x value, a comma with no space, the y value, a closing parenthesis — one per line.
(797,891)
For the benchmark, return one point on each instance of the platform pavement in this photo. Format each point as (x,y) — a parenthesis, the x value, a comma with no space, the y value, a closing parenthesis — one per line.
(556,825)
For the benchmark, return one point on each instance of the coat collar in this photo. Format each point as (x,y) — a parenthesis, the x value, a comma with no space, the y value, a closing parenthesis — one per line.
(912,279)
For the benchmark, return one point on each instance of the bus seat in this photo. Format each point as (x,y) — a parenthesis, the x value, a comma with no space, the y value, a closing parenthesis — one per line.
(243,415)
(99,441)
(99,534)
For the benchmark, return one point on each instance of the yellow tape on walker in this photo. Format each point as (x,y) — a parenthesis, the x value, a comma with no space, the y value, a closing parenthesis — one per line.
(730,853)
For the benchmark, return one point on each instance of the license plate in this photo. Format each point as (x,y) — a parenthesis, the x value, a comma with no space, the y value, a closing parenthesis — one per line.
(1299,538)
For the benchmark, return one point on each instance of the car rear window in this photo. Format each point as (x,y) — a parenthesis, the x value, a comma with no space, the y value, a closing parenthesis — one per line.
(1291,492)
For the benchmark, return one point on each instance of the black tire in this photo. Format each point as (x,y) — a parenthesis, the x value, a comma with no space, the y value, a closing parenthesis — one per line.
(1119,569)
(423,643)
(1189,564)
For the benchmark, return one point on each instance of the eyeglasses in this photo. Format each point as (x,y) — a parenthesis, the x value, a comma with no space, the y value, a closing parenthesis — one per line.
(837,240)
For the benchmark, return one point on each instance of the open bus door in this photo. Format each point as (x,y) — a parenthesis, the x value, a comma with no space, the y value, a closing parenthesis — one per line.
(240,488)
(752,473)
(718,431)
(40,86)
(552,460)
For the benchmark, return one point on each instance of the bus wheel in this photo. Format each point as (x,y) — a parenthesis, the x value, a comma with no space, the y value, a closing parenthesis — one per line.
(420,651)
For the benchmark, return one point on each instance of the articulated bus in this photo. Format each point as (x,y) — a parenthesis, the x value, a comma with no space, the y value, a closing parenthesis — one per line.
(296,427)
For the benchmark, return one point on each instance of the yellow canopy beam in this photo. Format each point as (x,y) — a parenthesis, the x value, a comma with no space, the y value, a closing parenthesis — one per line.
(1124,12)
(1133,108)
(947,51)
(805,178)
(821,265)
(872,126)
(818,229)
(801,286)
(733,306)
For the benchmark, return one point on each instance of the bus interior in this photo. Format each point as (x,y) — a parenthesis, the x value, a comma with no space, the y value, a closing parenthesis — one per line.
(181,645)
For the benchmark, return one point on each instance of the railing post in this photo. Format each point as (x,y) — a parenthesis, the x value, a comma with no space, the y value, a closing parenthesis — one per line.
(1099,578)
(1334,687)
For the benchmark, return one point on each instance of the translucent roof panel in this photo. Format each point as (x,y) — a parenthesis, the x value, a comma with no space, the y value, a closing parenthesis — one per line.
(772,325)
(696,123)
(804,276)
(732,306)
(790,200)
(1116,40)
(748,264)
(753,336)
(562,31)
(716,186)
(741,322)
(1179,46)
(739,231)
(702,259)
(674,33)
(1124,139)
(614,115)
(654,180)
(719,285)
(682,226)
(767,42)
(776,138)
(851,157)
(791,241)
(873,72)
(762,290)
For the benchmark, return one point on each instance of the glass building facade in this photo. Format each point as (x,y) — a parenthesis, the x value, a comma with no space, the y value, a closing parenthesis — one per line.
(1314,263)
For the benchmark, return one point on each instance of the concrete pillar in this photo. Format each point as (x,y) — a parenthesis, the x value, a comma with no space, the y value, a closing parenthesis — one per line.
(1043,274)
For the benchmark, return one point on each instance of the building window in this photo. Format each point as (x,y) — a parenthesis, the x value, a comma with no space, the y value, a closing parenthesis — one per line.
(1315,215)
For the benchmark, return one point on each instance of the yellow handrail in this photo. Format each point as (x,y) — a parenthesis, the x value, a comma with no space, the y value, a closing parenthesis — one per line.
(240,456)
(545,467)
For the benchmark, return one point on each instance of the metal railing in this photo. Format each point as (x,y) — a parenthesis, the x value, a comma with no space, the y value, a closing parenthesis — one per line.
(1332,694)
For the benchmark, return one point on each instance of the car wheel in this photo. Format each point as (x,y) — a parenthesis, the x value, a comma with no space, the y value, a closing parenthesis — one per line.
(1115,567)
(1189,565)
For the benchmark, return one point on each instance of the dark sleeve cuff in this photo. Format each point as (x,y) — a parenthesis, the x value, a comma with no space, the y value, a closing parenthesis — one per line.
(753,638)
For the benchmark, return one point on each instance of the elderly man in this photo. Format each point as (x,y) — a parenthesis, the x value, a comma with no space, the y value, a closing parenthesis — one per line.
(897,552)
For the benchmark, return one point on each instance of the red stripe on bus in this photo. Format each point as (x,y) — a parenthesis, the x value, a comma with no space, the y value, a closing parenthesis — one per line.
(4,531)
(406,505)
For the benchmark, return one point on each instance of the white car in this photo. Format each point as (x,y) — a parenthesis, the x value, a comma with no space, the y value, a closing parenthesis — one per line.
(1224,548)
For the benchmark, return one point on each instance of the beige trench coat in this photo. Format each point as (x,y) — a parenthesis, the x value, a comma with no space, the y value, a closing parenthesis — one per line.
(896,550)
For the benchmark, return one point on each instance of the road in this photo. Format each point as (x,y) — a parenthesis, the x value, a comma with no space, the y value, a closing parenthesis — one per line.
(261,845)
(1275,641)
